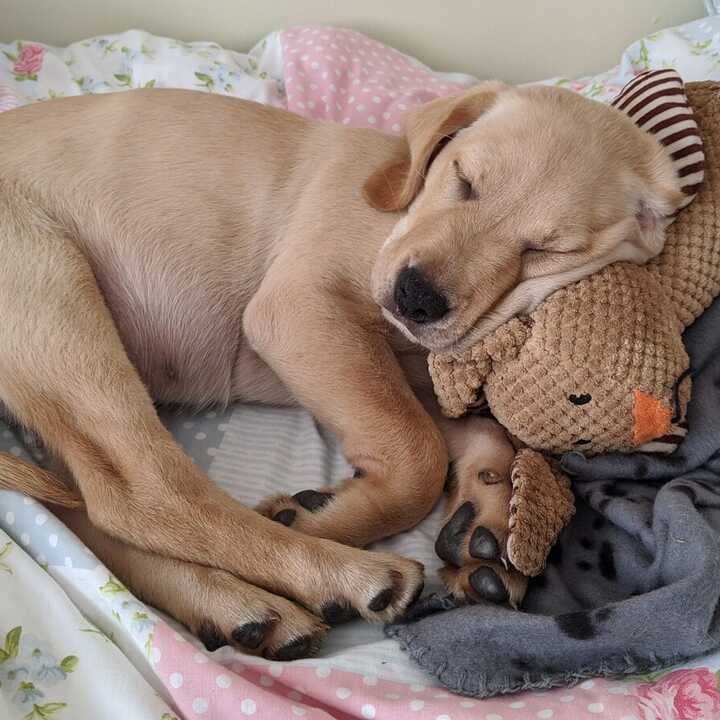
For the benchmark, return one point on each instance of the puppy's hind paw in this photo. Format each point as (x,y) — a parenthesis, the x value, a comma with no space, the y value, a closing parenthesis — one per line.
(476,567)
(483,581)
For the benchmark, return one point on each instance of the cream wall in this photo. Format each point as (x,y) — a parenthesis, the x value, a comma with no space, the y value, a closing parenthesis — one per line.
(515,40)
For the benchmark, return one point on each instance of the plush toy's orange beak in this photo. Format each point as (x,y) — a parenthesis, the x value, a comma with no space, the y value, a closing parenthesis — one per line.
(651,418)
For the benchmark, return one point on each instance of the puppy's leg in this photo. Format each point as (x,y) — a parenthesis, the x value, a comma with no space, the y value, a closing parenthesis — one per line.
(342,369)
(473,540)
(64,373)
(213,604)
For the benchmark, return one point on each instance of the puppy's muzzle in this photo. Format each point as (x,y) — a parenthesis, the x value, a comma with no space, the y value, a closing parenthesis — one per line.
(416,299)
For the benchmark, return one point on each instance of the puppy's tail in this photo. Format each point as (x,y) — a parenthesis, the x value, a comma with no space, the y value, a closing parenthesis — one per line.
(16,474)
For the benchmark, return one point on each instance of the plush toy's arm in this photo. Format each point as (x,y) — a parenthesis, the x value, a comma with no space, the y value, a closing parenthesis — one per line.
(458,379)
(542,504)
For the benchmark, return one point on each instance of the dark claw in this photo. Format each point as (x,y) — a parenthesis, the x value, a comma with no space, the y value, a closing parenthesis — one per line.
(313,500)
(449,541)
(488,585)
(286,517)
(335,613)
(417,594)
(381,600)
(484,545)
(211,637)
(301,647)
(252,634)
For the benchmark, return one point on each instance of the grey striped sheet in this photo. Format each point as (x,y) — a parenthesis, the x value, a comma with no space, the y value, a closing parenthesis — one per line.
(253,452)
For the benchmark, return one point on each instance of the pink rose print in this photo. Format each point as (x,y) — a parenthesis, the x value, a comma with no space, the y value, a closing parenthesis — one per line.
(28,63)
(680,695)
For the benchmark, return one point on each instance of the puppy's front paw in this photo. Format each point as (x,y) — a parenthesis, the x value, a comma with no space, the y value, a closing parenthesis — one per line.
(378,587)
(298,511)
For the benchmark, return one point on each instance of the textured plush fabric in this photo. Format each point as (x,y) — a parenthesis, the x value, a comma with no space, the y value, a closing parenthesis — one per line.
(541,506)
(634,582)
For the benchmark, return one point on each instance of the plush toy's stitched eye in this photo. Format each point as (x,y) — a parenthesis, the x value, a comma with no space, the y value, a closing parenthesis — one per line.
(583,399)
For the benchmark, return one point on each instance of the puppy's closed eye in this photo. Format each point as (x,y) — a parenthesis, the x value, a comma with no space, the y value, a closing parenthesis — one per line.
(466,191)
(583,399)
(545,243)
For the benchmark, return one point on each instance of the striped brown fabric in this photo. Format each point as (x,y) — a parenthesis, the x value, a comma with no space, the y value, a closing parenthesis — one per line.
(657,102)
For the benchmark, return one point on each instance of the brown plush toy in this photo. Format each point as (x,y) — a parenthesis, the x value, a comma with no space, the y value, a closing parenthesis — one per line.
(600,365)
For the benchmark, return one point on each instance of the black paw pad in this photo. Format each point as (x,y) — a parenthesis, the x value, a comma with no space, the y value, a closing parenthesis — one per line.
(285,517)
(381,600)
(484,545)
(448,545)
(313,500)
(335,613)
(252,634)
(299,648)
(211,637)
(488,585)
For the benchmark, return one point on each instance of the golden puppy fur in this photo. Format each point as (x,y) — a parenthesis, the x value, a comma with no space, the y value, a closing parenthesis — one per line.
(180,247)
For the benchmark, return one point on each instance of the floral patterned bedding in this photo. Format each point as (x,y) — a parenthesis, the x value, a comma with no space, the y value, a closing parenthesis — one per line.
(74,643)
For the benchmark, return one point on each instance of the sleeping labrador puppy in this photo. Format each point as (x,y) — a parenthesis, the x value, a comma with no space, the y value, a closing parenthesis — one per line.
(164,246)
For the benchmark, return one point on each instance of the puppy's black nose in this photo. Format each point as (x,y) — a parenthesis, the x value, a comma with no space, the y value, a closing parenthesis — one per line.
(416,298)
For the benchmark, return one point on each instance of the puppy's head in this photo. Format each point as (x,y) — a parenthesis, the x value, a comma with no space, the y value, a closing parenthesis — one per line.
(511,193)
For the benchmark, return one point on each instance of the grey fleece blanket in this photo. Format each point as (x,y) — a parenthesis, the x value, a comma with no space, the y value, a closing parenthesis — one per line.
(633,584)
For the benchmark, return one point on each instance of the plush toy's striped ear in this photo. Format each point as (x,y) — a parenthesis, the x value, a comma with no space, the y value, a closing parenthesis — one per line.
(657,102)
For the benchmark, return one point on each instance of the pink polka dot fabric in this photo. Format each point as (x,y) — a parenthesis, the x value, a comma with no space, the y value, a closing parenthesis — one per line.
(226,685)
(342,75)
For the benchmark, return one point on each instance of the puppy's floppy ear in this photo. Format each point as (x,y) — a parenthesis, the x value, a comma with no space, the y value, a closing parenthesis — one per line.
(427,129)
(660,197)
(654,212)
